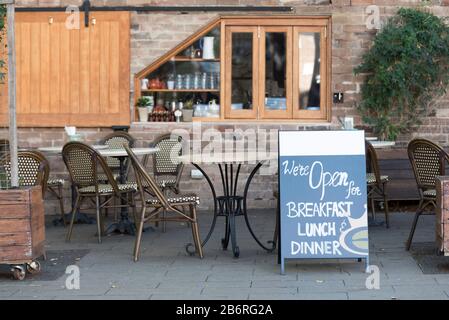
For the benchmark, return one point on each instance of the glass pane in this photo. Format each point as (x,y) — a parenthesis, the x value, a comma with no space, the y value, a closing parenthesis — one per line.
(242,71)
(275,71)
(309,71)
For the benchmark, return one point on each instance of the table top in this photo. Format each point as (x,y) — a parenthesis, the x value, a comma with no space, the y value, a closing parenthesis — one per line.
(122,152)
(382,144)
(105,151)
(58,149)
(229,157)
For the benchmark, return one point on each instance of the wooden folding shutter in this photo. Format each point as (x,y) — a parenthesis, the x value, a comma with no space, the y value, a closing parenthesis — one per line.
(72,76)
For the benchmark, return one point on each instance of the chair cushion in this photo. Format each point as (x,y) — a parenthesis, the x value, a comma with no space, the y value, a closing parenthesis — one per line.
(166,183)
(187,198)
(431,193)
(107,188)
(103,177)
(371,178)
(54,182)
(161,183)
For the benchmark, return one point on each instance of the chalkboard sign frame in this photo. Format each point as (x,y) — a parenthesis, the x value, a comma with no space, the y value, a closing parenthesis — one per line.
(362,168)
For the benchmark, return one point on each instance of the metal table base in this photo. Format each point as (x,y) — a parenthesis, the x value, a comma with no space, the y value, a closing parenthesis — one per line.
(230,205)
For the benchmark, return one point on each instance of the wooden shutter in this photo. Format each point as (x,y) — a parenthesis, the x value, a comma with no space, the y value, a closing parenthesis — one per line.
(72,76)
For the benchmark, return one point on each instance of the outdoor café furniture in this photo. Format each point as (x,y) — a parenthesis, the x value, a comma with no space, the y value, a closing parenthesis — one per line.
(167,169)
(33,169)
(83,162)
(124,225)
(428,161)
(117,140)
(382,144)
(152,207)
(376,183)
(55,187)
(278,215)
(230,204)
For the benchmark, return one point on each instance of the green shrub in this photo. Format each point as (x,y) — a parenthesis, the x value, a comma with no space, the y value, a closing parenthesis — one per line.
(406,68)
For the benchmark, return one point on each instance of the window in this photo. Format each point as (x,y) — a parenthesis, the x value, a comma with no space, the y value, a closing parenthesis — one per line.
(270,68)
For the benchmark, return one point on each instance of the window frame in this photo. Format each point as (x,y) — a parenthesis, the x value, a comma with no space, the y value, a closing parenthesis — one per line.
(295,23)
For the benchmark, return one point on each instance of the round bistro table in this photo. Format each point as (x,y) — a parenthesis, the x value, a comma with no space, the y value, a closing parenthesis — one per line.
(230,204)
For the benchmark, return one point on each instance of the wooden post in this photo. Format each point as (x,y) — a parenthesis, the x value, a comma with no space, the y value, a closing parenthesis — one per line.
(12,92)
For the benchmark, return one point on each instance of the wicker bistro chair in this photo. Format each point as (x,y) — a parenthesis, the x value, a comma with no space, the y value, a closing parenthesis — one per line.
(54,185)
(82,162)
(33,169)
(166,170)
(376,183)
(116,140)
(428,161)
(160,203)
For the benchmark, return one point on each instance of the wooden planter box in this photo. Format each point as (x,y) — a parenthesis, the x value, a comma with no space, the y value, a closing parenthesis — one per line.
(442,215)
(22,225)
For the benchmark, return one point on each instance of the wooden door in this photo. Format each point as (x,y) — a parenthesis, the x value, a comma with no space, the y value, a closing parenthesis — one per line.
(72,76)
(241,74)
(275,72)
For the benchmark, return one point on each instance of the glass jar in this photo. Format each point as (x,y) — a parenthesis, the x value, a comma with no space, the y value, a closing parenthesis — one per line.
(171,81)
(211,78)
(187,81)
(179,81)
(196,81)
(204,81)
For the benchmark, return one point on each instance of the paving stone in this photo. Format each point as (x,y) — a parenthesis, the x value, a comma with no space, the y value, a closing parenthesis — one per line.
(165,271)
(323,296)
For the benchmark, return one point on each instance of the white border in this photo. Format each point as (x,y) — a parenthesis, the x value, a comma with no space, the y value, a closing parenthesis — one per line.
(321,143)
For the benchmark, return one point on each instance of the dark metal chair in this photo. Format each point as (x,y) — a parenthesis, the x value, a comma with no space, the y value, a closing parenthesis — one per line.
(33,169)
(428,161)
(160,203)
(83,162)
(167,171)
(376,183)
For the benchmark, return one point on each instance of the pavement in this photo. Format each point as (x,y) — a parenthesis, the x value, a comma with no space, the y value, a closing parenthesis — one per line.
(165,271)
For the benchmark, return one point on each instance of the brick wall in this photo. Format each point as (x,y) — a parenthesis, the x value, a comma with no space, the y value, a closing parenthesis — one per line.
(152,34)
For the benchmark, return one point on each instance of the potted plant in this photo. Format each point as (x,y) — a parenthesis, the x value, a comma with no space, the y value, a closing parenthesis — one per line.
(405,69)
(187,111)
(142,107)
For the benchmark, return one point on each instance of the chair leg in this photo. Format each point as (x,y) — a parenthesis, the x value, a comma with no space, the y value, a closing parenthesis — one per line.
(185,211)
(195,232)
(72,220)
(373,208)
(386,209)
(276,230)
(97,208)
(61,204)
(164,213)
(415,222)
(139,235)
(133,205)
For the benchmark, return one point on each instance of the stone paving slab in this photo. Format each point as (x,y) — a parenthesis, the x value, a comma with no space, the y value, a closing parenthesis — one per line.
(165,271)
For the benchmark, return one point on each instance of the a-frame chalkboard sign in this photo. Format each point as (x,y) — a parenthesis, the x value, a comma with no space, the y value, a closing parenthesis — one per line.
(323,200)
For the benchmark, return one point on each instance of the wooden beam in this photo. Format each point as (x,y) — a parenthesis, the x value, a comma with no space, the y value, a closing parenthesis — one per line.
(12,95)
